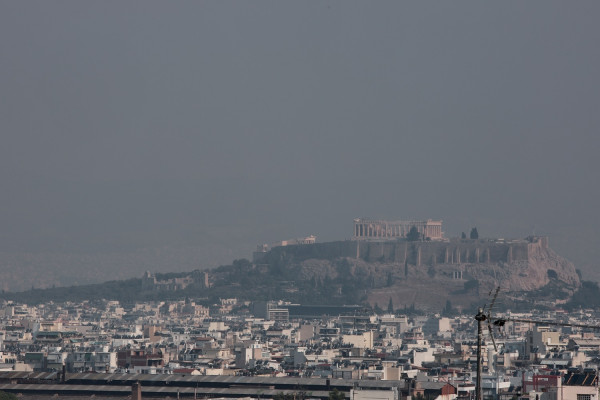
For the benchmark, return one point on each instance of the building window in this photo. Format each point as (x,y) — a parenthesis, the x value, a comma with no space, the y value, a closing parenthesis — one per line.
(584,397)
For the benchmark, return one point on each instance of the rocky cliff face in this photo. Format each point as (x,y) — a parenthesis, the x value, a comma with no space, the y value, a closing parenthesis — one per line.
(542,266)
(408,273)
(430,285)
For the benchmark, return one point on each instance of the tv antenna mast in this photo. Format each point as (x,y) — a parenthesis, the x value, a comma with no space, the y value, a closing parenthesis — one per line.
(483,316)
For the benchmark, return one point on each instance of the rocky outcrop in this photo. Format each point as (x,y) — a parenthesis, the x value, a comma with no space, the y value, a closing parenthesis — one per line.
(537,271)
(430,284)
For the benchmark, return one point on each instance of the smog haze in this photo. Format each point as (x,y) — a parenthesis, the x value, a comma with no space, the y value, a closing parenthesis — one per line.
(169,136)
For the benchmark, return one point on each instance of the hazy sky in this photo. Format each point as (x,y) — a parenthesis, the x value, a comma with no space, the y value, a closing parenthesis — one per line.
(148,124)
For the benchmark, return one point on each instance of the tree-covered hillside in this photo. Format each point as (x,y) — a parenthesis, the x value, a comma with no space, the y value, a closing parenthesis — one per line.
(318,276)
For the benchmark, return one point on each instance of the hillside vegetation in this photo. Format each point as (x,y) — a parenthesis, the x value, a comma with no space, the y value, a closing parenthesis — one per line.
(310,274)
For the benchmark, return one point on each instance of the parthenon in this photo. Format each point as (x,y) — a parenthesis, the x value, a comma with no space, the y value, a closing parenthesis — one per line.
(367,229)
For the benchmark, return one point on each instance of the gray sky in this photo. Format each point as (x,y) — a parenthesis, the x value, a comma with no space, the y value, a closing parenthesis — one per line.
(220,125)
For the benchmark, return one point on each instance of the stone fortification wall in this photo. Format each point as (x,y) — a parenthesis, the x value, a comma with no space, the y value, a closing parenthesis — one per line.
(527,264)
(457,251)
(451,252)
(536,246)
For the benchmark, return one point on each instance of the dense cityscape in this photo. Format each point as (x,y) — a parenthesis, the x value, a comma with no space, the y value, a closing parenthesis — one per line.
(295,200)
(245,347)
(267,343)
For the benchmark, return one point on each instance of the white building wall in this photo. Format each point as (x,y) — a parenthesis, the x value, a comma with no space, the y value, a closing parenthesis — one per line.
(374,394)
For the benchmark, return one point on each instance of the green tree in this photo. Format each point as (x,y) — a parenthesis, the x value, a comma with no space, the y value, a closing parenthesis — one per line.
(390,279)
(413,234)
(463,235)
(474,234)
(298,395)
(336,395)
(588,295)
(390,308)
(377,309)
(7,396)
(448,311)
(282,396)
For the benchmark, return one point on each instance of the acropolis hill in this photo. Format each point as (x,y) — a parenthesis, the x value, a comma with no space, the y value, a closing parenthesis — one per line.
(455,256)
(422,272)
(409,272)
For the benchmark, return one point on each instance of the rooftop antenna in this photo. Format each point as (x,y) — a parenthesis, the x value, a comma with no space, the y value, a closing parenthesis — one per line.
(502,321)
(481,317)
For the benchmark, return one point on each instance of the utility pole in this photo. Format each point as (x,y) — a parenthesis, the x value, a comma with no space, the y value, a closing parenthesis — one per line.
(480,317)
